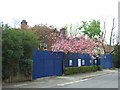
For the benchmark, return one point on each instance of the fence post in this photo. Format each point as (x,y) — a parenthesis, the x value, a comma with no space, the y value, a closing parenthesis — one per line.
(63,63)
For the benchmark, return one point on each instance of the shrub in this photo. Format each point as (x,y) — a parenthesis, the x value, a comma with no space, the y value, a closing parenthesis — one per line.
(68,71)
(75,70)
(29,42)
(99,68)
(17,45)
(116,54)
(82,69)
(94,68)
(12,52)
(25,67)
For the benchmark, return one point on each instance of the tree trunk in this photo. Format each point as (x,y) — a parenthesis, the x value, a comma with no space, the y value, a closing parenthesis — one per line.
(112,31)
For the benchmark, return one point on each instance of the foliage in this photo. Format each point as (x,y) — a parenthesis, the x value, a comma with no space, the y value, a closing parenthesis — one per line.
(4,26)
(116,54)
(12,51)
(82,69)
(91,29)
(99,68)
(75,45)
(25,67)
(29,42)
(17,45)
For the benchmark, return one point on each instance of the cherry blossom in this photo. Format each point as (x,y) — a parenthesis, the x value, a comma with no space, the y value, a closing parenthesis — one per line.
(74,44)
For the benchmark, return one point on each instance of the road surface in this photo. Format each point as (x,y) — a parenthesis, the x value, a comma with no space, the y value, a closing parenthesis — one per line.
(105,81)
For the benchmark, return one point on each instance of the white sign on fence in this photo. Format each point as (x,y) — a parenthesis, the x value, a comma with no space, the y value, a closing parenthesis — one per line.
(79,62)
(95,61)
(83,62)
(70,62)
(90,61)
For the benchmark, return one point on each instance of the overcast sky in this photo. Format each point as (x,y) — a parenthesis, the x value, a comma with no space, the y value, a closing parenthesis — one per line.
(59,12)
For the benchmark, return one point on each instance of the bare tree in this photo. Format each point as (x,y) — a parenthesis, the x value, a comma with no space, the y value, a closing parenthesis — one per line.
(112,31)
(112,36)
(104,34)
(113,39)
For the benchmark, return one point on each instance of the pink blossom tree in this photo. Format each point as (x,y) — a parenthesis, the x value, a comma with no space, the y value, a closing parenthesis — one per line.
(74,44)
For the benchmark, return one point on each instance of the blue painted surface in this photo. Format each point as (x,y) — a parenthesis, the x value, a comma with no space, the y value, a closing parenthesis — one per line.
(75,56)
(106,61)
(47,63)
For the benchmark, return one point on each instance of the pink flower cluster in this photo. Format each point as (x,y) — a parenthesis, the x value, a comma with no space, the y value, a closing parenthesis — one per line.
(74,44)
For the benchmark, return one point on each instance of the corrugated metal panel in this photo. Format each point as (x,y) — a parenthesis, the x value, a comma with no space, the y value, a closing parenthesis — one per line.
(106,61)
(46,63)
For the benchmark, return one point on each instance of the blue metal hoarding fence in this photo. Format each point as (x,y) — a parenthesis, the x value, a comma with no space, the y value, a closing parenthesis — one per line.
(85,59)
(106,61)
(46,63)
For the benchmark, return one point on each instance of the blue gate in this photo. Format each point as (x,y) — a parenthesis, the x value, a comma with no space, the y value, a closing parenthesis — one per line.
(46,63)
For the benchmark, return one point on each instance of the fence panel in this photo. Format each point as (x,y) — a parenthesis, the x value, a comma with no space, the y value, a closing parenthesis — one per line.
(46,64)
(106,61)
(38,63)
(75,60)
(58,63)
(50,63)
(85,59)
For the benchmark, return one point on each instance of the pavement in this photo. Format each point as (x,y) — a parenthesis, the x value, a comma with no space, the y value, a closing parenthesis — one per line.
(54,81)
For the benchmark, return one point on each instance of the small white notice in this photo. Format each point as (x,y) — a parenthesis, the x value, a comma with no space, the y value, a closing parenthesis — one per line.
(70,62)
(90,61)
(95,61)
(79,62)
(83,62)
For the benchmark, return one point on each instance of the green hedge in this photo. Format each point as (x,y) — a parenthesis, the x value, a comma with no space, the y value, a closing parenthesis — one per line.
(25,67)
(115,57)
(82,69)
(17,46)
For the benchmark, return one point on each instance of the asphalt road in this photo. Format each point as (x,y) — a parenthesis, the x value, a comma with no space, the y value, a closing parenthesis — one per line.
(105,81)
(102,79)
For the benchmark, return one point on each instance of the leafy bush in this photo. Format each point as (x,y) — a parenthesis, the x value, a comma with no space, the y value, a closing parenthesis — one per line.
(75,70)
(25,67)
(82,69)
(12,52)
(17,45)
(68,71)
(99,68)
(94,68)
(29,42)
(116,54)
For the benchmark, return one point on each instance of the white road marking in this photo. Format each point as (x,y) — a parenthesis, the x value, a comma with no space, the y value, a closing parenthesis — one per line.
(71,82)
(63,77)
(20,85)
